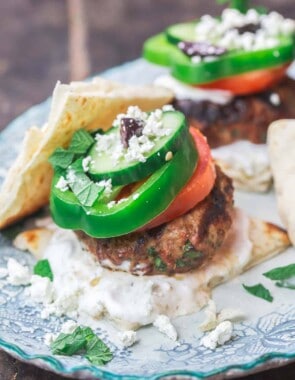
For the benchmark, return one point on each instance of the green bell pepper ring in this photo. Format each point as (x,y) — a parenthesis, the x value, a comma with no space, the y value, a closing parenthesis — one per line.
(149,200)
(159,51)
(231,64)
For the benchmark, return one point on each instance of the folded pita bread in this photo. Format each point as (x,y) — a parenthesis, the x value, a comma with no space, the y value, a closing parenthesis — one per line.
(89,105)
(250,242)
(281,140)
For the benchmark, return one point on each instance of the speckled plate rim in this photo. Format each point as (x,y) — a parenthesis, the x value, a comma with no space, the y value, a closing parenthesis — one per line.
(51,363)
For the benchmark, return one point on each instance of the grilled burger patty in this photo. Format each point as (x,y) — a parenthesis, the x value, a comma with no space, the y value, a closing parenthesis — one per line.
(245,117)
(179,246)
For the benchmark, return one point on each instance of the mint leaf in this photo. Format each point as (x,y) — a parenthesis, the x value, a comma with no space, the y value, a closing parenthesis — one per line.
(43,269)
(281,273)
(61,158)
(77,166)
(259,291)
(97,352)
(83,340)
(286,284)
(69,344)
(81,142)
(85,190)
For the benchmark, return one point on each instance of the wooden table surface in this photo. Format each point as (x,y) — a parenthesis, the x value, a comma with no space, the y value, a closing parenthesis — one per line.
(38,46)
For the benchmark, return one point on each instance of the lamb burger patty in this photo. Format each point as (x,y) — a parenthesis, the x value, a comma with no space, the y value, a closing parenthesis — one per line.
(182,245)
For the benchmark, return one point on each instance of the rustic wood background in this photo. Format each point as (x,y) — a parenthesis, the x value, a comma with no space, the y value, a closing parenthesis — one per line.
(43,41)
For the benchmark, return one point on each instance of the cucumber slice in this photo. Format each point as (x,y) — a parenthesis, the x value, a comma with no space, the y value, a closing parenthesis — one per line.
(158,50)
(123,172)
(181,32)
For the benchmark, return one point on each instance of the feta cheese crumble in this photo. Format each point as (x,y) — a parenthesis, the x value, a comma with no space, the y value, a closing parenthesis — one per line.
(17,273)
(41,289)
(49,338)
(3,273)
(62,184)
(85,163)
(225,32)
(68,327)
(127,338)
(138,146)
(274,98)
(107,184)
(219,336)
(168,107)
(164,325)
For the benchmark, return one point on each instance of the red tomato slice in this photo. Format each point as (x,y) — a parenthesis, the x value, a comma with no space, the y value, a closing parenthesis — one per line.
(197,188)
(251,82)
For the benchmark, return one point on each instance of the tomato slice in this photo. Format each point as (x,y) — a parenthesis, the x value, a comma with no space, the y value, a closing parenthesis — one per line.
(250,82)
(197,188)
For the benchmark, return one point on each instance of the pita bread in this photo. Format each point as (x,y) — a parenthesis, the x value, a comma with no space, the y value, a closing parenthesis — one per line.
(89,105)
(250,242)
(35,241)
(280,140)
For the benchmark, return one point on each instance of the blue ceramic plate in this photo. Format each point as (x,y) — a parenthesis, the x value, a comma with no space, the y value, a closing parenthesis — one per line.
(266,338)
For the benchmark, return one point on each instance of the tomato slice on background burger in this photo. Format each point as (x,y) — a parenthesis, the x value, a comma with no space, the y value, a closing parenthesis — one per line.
(250,82)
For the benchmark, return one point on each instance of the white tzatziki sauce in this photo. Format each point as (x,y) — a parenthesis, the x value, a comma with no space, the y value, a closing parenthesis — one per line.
(185,91)
(246,163)
(83,290)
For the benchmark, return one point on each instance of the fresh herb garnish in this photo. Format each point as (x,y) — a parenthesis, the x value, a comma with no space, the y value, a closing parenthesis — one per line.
(159,264)
(81,185)
(85,190)
(189,254)
(81,142)
(70,344)
(285,284)
(61,158)
(281,273)
(84,341)
(259,291)
(180,263)
(188,246)
(152,252)
(97,352)
(43,269)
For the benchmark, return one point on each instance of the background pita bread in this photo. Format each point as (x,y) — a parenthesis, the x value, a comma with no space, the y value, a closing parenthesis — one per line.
(267,240)
(89,105)
(281,142)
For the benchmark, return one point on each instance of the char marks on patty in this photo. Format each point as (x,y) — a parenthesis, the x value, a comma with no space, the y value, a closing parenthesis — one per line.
(184,244)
